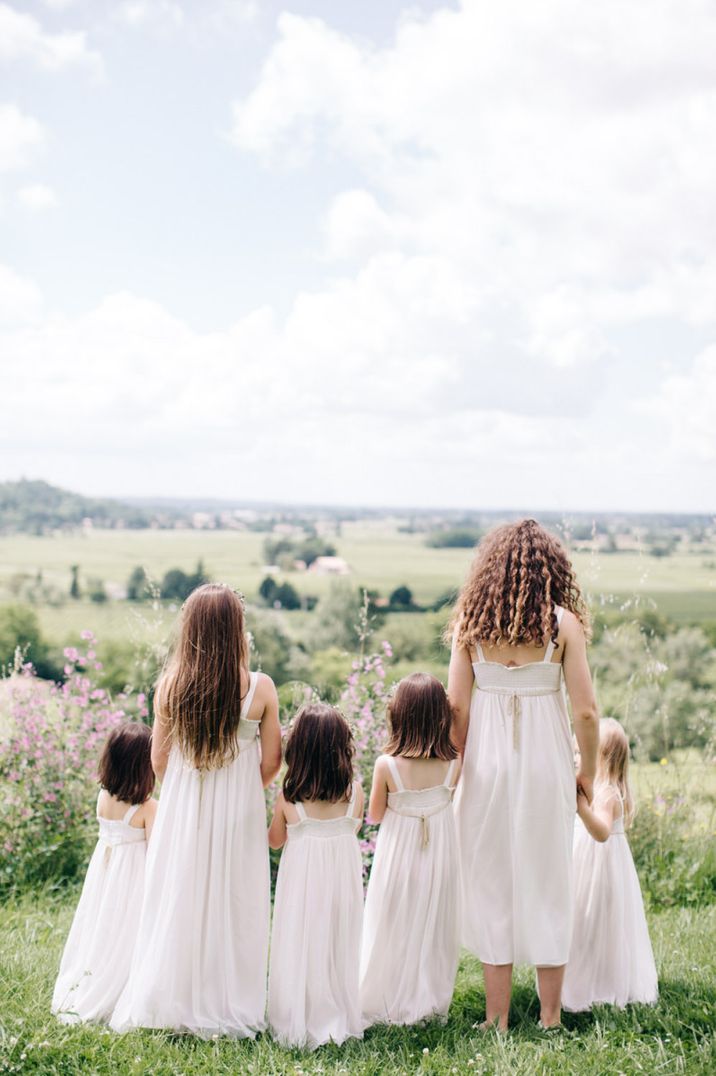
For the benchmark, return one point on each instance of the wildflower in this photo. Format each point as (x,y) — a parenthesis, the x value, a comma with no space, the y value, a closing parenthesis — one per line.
(663,762)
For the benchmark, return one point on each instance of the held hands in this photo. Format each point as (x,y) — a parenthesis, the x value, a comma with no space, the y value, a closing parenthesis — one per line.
(585,785)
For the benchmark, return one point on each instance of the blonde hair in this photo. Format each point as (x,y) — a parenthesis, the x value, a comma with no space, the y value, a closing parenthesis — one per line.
(199,692)
(519,574)
(613,763)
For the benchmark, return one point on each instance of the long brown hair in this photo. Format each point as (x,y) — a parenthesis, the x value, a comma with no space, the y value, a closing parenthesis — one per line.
(125,765)
(520,572)
(613,763)
(419,719)
(319,755)
(199,693)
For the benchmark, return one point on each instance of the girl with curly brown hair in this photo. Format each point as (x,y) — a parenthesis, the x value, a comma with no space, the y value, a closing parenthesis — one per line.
(520,627)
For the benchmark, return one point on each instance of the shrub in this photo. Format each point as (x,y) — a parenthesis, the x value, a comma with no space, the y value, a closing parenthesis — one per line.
(674,852)
(50,739)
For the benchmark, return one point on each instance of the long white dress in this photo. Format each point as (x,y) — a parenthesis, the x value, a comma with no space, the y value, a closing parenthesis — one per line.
(202,946)
(95,961)
(315,941)
(411,932)
(611,959)
(515,809)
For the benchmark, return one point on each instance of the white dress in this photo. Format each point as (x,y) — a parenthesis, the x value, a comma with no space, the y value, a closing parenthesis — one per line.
(411,932)
(202,946)
(515,809)
(611,959)
(315,941)
(97,954)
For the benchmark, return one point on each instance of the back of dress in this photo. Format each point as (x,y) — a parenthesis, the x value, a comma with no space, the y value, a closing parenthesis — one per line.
(200,961)
(315,944)
(411,937)
(515,811)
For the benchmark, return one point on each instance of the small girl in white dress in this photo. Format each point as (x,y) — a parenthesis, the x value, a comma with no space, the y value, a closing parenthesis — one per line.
(202,946)
(318,912)
(411,935)
(611,960)
(96,957)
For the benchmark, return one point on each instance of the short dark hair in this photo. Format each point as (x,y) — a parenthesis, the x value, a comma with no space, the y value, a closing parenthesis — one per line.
(419,718)
(125,766)
(319,755)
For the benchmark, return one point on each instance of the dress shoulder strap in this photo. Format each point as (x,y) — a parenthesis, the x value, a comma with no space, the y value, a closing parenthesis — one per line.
(450,771)
(99,797)
(480,655)
(246,704)
(351,805)
(301,812)
(394,771)
(130,813)
(550,645)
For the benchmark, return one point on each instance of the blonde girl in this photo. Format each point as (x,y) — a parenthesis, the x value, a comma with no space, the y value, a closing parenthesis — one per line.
(202,947)
(519,632)
(611,959)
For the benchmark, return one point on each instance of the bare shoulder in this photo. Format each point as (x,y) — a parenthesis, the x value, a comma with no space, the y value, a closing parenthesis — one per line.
(571,626)
(146,813)
(265,687)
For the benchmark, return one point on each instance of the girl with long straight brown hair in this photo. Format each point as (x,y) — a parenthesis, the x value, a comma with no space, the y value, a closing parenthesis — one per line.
(202,948)
(520,626)
(411,934)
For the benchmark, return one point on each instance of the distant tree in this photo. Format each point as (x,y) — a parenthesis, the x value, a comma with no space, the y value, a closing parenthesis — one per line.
(178,585)
(337,618)
(75,584)
(287,597)
(402,597)
(267,590)
(20,629)
(96,591)
(312,548)
(137,585)
(458,538)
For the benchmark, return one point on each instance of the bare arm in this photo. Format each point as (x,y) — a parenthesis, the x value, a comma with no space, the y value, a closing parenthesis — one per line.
(581,695)
(270,732)
(461,679)
(161,743)
(597,820)
(277,829)
(378,803)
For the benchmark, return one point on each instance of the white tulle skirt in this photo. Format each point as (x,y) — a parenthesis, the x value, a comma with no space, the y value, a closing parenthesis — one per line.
(97,955)
(611,959)
(202,947)
(411,930)
(315,942)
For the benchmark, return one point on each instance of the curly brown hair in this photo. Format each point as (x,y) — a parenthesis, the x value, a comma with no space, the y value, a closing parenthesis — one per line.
(519,574)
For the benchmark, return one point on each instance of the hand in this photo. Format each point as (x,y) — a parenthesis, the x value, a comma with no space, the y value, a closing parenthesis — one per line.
(585,785)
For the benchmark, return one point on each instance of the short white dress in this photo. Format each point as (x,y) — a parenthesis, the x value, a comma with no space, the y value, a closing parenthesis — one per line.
(411,931)
(315,941)
(202,947)
(98,951)
(515,809)
(611,959)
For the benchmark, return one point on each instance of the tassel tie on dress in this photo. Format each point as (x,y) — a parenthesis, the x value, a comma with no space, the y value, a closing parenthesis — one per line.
(516,708)
(424,819)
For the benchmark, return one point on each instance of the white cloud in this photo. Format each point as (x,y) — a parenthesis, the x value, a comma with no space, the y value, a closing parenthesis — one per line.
(22,37)
(20,298)
(37,197)
(162,13)
(686,407)
(21,136)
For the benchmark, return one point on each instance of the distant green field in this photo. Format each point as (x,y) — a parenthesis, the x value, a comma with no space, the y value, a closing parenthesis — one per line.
(683,586)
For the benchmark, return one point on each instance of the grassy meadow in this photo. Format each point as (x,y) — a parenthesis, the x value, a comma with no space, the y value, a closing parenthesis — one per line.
(381,557)
(675,1036)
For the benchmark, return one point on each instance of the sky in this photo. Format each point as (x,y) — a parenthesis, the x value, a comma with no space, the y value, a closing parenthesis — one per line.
(453,254)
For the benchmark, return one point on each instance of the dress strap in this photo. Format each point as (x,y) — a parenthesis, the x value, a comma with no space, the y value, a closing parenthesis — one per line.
(480,655)
(450,771)
(246,704)
(351,805)
(550,645)
(394,771)
(99,797)
(301,812)
(130,813)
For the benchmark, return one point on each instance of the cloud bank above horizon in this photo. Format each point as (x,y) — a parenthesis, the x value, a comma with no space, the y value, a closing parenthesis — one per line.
(452,254)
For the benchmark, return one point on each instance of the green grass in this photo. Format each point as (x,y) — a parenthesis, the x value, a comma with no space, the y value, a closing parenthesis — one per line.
(676,1036)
